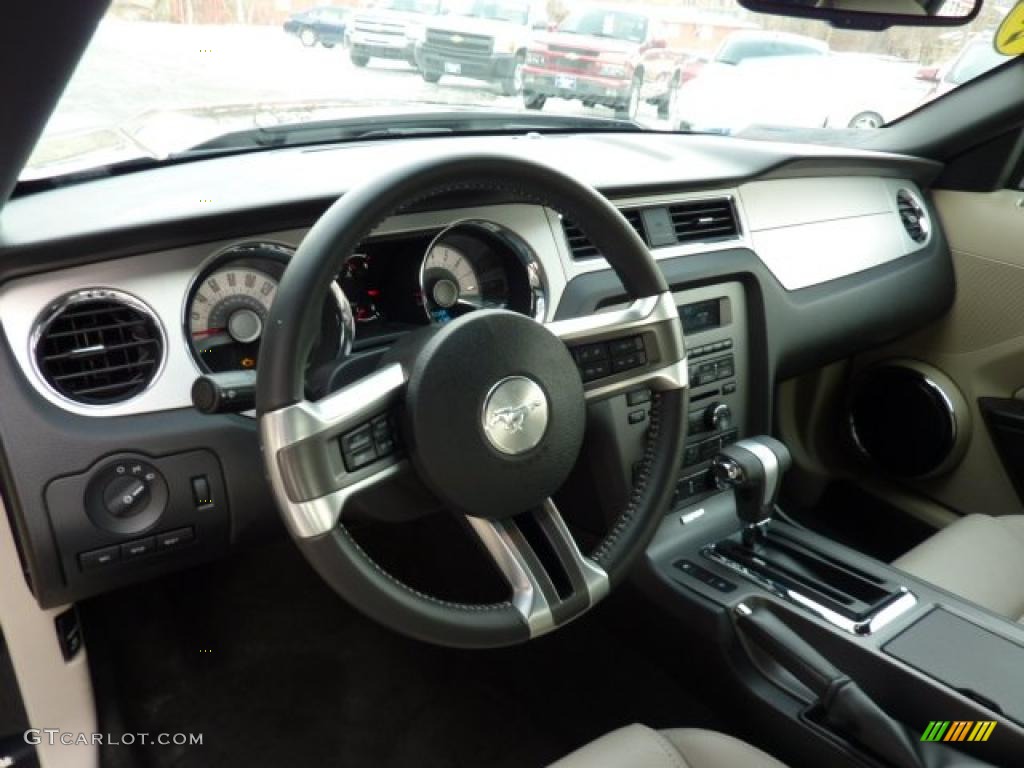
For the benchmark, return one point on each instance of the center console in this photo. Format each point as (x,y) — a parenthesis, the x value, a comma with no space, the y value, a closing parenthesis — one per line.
(854,661)
(714,322)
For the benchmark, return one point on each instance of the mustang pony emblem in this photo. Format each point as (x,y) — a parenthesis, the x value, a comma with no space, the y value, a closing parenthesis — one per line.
(514,417)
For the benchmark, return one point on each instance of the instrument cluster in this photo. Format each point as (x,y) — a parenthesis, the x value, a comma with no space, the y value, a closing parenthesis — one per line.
(391,285)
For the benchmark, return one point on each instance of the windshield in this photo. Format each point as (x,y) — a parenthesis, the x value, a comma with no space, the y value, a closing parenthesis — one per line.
(167,81)
(601,23)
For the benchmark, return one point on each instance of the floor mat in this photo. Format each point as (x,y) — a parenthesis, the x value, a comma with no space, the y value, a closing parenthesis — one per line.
(862,522)
(273,669)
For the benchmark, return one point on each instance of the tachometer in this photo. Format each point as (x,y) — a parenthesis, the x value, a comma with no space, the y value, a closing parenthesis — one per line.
(478,264)
(459,276)
(228,315)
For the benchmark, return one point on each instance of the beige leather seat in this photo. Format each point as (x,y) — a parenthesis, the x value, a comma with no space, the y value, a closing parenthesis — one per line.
(637,746)
(979,558)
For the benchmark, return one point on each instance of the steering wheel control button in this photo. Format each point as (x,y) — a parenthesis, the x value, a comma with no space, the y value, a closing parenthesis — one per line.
(174,539)
(138,548)
(515,415)
(364,445)
(99,558)
(595,361)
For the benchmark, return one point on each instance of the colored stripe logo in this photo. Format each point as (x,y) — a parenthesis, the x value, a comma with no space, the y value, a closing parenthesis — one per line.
(958,730)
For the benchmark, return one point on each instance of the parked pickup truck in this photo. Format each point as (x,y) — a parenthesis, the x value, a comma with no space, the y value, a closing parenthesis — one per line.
(387,30)
(608,56)
(482,39)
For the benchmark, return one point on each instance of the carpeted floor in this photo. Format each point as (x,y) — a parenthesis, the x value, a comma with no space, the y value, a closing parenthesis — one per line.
(273,669)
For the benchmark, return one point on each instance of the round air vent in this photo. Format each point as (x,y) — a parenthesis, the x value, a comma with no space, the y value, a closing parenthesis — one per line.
(913,215)
(98,347)
(908,419)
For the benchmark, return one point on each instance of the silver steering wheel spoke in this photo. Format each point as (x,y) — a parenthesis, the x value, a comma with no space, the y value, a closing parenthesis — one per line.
(625,349)
(534,592)
(326,451)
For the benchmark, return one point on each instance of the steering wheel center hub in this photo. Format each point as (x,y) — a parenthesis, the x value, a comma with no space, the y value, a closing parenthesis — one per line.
(515,415)
(494,413)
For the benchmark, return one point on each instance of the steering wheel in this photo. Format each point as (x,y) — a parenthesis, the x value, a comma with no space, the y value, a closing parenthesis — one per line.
(489,411)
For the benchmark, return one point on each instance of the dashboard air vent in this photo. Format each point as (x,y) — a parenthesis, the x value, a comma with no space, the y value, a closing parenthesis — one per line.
(912,215)
(704,220)
(579,244)
(99,347)
(697,221)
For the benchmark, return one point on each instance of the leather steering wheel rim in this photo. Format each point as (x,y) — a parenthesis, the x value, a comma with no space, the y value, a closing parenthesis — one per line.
(288,422)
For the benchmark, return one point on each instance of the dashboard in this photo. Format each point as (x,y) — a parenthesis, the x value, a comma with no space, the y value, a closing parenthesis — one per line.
(780,259)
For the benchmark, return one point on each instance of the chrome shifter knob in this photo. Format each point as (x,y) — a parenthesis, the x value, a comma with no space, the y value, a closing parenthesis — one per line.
(753,468)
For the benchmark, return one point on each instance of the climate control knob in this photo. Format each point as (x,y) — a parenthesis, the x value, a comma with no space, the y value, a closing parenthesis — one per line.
(718,417)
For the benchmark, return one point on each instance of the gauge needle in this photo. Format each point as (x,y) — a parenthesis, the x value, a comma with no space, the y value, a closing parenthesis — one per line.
(208,332)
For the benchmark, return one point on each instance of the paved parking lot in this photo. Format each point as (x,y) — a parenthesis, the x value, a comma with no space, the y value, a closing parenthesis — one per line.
(134,67)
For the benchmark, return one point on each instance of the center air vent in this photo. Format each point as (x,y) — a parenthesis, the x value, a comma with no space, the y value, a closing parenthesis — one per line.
(691,222)
(98,347)
(913,215)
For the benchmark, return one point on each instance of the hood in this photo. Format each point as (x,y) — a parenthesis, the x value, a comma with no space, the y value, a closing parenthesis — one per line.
(586,42)
(391,17)
(474,26)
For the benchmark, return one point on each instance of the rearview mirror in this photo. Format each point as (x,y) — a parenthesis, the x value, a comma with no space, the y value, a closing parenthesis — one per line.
(873,14)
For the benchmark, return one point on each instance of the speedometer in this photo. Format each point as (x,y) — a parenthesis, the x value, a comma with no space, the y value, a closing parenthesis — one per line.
(229,302)
(228,315)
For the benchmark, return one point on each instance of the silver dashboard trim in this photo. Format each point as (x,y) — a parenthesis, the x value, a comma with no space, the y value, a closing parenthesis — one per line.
(161,279)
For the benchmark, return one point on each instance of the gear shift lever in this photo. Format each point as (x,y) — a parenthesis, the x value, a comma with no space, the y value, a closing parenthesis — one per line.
(754,469)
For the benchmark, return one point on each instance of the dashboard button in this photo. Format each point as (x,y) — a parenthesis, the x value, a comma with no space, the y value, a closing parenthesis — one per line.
(201,495)
(729,388)
(635,417)
(98,558)
(126,495)
(638,397)
(691,455)
(138,548)
(175,538)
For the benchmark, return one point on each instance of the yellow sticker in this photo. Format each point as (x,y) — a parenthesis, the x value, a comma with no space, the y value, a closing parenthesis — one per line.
(1010,37)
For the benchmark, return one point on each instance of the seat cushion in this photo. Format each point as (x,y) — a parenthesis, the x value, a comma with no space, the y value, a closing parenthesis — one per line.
(637,746)
(979,558)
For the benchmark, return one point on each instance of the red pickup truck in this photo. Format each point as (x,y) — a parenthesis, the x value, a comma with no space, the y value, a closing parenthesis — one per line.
(608,56)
